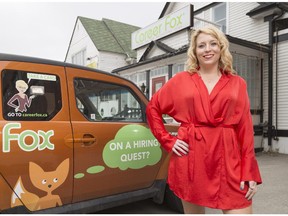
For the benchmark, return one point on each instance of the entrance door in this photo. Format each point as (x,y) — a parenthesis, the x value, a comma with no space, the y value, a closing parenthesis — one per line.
(157,83)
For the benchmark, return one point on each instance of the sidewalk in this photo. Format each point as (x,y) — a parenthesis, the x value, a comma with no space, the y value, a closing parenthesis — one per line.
(272,196)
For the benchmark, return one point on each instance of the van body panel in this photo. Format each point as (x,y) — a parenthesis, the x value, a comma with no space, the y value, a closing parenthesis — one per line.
(74,138)
(110,180)
(31,151)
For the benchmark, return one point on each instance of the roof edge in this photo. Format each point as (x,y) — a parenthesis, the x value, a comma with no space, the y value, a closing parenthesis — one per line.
(262,9)
(65,59)
(164,10)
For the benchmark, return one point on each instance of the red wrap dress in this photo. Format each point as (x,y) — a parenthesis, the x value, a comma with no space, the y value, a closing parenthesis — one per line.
(219,130)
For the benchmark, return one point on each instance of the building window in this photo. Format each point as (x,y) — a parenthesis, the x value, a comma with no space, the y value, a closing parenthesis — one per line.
(177,68)
(79,58)
(137,78)
(160,71)
(249,68)
(219,15)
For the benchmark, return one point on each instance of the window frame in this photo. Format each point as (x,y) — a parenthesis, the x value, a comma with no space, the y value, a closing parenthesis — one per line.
(57,108)
(224,19)
(124,87)
(82,53)
(244,66)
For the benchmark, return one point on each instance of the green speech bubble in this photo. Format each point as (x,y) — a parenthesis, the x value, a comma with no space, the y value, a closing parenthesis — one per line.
(134,147)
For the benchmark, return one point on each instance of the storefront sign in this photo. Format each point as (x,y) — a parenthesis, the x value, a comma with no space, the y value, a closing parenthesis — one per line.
(167,25)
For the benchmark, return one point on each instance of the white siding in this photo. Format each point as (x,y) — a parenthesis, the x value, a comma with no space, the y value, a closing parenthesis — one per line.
(155,51)
(177,40)
(242,26)
(282,85)
(277,146)
(208,14)
(141,51)
(281,145)
(173,60)
(174,41)
(245,50)
(106,61)
(109,61)
(81,41)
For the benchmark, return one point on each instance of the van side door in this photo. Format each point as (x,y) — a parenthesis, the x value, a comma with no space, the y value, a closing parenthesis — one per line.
(115,151)
(36,158)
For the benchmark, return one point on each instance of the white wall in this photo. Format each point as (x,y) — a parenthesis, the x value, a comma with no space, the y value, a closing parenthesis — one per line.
(238,23)
(245,50)
(282,85)
(281,145)
(177,40)
(155,51)
(141,51)
(109,61)
(242,26)
(277,146)
(174,41)
(80,41)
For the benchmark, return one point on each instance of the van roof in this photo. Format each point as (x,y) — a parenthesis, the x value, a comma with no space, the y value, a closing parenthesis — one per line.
(19,58)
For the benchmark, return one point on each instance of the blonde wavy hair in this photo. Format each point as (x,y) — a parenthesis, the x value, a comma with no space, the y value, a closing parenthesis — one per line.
(225,61)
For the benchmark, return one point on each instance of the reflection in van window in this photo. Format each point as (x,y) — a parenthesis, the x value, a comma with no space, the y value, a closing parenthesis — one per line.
(100,101)
(30,96)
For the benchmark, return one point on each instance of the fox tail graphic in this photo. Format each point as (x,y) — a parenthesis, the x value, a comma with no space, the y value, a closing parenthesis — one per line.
(23,197)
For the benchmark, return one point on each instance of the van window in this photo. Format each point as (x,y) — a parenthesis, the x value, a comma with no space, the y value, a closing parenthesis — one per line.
(101,101)
(30,96)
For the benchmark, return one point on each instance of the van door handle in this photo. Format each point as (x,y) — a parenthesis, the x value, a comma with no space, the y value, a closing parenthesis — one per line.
(86,140)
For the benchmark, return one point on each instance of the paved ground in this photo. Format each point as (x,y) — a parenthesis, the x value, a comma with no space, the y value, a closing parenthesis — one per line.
(272,196)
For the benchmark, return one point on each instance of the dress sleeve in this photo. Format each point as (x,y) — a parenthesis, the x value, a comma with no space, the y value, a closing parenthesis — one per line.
(161,103)
(245,132)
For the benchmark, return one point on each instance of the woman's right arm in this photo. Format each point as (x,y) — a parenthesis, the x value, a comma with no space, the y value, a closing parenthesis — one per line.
(10,102)
(154,114)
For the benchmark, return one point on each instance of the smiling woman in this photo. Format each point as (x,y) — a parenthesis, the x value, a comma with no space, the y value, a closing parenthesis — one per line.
(213,162)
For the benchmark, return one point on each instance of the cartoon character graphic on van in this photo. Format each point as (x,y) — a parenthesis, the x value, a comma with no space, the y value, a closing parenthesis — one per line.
(45,181)
(21,97)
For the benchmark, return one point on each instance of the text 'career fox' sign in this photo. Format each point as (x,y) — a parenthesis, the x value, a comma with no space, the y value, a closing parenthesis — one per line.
(167,25)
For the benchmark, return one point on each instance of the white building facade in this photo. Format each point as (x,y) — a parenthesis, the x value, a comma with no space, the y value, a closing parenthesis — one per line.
(258,35)
(101,44)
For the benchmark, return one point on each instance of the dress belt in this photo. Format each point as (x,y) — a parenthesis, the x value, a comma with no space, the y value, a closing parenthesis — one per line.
(192,141)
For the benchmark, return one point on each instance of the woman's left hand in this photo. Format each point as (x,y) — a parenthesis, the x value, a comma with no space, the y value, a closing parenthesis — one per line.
(252,189)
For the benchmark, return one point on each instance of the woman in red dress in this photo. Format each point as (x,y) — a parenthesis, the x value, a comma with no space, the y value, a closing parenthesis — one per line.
(213,162)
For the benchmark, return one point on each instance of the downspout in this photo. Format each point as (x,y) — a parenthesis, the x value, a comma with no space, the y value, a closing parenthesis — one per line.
(271,128)
(270,84)
(275,137)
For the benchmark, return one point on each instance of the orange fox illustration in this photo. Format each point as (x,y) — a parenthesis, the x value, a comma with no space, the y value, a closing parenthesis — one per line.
(45,181)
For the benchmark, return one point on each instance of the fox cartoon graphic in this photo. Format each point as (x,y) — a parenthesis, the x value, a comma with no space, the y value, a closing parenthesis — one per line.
(45,181)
